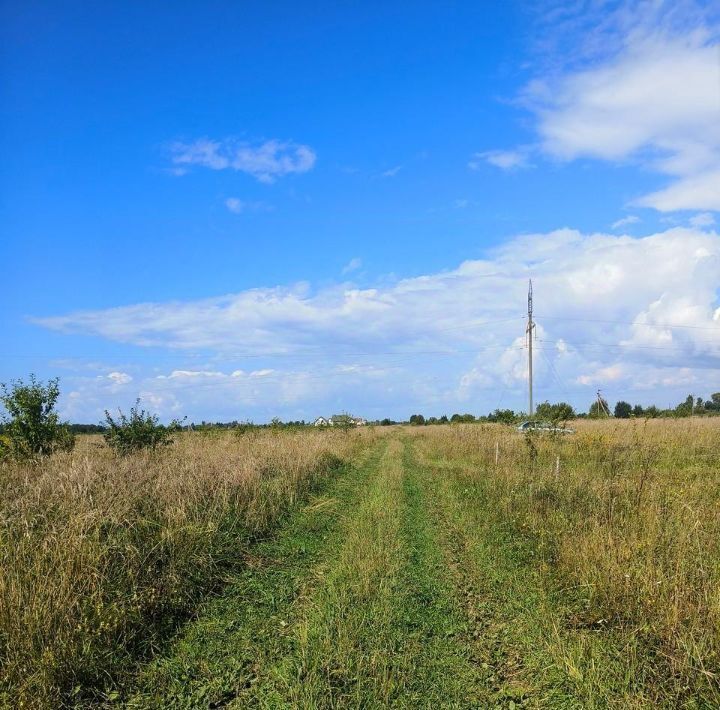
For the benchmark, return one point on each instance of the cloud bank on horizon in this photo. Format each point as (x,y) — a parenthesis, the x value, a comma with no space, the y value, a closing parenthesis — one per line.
(628,314)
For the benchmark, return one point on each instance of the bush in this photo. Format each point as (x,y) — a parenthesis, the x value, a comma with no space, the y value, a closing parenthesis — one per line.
(33,427)
(140,430)
(560,412)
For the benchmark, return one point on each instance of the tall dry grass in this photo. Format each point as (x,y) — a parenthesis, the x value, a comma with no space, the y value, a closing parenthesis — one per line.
(101,555)
(629,526)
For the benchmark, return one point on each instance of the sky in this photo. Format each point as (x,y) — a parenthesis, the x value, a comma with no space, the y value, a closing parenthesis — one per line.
(239,211)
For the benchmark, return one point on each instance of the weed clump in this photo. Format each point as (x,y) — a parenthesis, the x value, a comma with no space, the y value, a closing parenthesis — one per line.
(140,430)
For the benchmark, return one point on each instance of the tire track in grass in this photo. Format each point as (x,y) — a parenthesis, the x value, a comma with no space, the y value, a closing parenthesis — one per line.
(504,602)
(383,630)
(435,625)
(514,625)
(223,655)
(344,651)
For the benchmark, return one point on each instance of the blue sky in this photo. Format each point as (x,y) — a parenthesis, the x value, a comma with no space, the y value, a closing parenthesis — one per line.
(240,210)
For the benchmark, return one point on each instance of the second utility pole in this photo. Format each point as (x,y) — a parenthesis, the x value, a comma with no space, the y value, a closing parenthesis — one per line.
(529,331)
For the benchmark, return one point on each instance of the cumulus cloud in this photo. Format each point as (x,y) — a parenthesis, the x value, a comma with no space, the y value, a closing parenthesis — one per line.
(643,87)
(611,311)
(119,378)
(264,161)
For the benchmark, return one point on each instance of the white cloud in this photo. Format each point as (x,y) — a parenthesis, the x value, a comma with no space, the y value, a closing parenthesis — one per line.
(695,192)
(704,219)
(119,378)
(624,221)
(262,373)
(238,206)
(185,374)
(602,376)
(504,159)
(605,305)
(234,205)
(265,162)
(392,172)
(353,265)
(643,87)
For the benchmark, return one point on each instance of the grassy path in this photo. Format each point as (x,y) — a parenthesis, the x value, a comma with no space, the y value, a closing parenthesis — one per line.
(392,588)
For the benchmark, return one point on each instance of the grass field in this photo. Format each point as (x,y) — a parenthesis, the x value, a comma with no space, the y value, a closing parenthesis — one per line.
(447,566)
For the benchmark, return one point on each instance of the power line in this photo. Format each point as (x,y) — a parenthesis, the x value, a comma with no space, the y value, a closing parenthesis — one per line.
(621,322)
(293,355)
(676,349)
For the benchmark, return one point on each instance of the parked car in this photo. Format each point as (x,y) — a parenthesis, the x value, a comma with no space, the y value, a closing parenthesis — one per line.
(543,427)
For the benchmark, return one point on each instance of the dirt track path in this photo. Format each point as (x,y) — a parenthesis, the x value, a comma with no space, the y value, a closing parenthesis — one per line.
(383,591)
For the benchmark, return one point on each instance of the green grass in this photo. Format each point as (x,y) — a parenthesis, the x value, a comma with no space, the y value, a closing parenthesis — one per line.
(223,655)
(403,583)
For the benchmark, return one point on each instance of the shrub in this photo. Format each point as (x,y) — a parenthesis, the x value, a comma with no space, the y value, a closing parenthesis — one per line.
(139,430)
(32,427)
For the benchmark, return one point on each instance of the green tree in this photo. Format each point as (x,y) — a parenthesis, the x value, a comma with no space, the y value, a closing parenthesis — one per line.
(139,430)
(344,421)
(503,416)
(638,411)
(713,404)
(417,419)
(686,408)
(32,427)
(623,409)
(599,409)
(562,411)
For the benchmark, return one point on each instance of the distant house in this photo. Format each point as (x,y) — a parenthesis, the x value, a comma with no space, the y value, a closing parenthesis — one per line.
(340,420)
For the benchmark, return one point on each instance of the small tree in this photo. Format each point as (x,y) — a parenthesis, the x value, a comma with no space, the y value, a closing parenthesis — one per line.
(504,416)
(599,408)
(140,430)
(623,410)
(417,419)
(560,412)
(32,427)
(344,422)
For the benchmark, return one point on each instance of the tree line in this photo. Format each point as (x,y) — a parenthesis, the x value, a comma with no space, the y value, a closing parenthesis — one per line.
(562,411)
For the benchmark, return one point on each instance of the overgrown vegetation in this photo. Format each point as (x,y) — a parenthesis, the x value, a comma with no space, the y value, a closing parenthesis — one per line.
(623,522)
(464,564)
(103,555)
(140,430)
(32,428)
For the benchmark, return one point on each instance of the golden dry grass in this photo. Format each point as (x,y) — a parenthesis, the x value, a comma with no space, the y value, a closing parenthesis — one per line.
(101,555)
(629,527)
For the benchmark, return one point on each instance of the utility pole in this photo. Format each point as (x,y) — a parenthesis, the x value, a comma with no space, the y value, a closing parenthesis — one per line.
(529,331)
(601,405)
